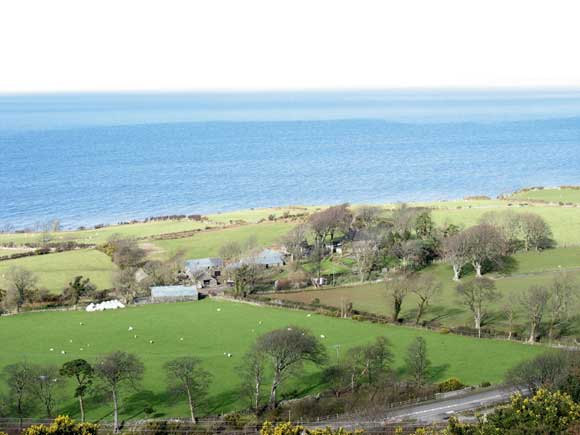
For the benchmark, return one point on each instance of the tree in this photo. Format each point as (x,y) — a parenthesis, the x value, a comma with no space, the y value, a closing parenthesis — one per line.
(288,349)
(20,282)
(424,226)
(118,370)
(484,244)
(230,251)
(253,372)
(371,360)
(534,301)
(83,373)
(536,232)
(327,223)
(403,219)
(186,376)
(45,386)
(366,216)
(21,399)
(245,278)
(563,292)
(365,254)
(417,363)
(456,253)
(426,288)
(509,311)
(78,288)
(295,242)
(476,295)
(397,286)
(126,253)
(126,284)
(548,370)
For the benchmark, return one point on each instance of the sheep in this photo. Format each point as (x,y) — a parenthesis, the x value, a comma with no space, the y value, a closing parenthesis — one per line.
(181,339)
(322,336)
(130,328)
(151,342)
(219,309)
(229,355)
(63,352)
(51,349)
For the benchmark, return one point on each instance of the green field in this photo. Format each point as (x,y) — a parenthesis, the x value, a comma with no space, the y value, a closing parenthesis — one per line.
(56,270)
(207,333)
(527,269)
(550,195)
(208,243)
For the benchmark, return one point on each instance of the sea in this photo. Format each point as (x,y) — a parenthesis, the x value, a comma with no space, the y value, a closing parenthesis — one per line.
(89,159)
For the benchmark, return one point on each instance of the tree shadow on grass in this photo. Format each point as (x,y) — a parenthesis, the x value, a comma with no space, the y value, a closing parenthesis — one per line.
(134,406)
(505,266)
(437,313)
(437,373)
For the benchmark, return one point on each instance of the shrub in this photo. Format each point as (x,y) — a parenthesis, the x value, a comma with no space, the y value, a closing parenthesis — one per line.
(62,425)
(485,384)
(452,384)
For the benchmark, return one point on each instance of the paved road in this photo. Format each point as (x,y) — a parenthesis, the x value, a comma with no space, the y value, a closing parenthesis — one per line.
(428,412)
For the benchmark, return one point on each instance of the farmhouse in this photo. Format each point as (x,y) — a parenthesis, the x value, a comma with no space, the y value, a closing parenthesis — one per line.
(206,272)
(266,258)
(174,293)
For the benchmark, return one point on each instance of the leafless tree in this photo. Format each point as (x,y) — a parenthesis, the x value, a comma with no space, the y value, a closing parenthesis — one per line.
(509,311)
(20,282)
(536,232)
(398,287)
(21,399)
(563,291)
(403,219)
(295,242)
(484,243)
(365,254)
(456,253)
(126,253)
(507,222)
(288,349)
(186,376)
(366,216)
(418,364)
(370,361)
(118,370)
(411,253)
(230,251)
(535,300)
(476,295)
(252,374)
(46,384)
(328,222)
(548,370)
(426,288)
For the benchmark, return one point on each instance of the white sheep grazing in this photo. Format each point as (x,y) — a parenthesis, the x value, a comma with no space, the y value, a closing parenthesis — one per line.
(63,352)
(51,349)
(70,341)
(81,349)
(151,342)
(130,328)
(309,315)
(229,355)
(134,336)
(322,336)
(181,339)
(289,329)
(81,323)
(219,309)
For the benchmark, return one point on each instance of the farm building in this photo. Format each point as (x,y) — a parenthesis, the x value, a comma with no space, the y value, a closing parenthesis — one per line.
(174,293)
(266,258)
(206,272)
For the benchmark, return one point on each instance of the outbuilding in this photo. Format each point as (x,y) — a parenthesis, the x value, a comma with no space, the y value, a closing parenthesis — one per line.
(174,293)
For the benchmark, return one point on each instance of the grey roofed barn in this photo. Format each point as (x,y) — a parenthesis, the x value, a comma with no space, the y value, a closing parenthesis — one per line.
(198,264)
(267,258)
(175,292)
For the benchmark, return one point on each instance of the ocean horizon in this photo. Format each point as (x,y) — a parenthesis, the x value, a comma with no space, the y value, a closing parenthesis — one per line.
(88,159)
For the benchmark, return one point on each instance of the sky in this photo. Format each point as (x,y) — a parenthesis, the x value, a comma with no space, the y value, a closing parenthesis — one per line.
(242,45)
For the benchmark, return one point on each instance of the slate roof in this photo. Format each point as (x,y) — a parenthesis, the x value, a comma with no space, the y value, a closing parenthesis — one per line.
(174,291)
(197,264)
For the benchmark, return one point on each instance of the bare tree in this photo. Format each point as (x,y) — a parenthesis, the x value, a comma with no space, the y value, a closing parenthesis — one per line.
(456,253)
(327,223)
(476,296)
(509,311)
(536,232)
(365,254)
(417,362)
(366,216)
(186,376)
(563,291)
(398,287)
(78,288)
(371,360)
(126,253)
(230,251)
(20,282)
(118,370)
(403,219)
(245,279)
(82,372)
(295,242)
(46,384)
(425,287)
(548,370)
(288,349)
(535,300)
(253,373)
(484,243)
(19,379)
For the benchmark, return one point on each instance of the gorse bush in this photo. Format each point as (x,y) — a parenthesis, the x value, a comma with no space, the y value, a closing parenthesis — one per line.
(288,428)
(62,425)
(452,384)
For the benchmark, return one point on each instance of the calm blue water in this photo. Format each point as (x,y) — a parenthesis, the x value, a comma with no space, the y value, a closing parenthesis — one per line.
(88,159)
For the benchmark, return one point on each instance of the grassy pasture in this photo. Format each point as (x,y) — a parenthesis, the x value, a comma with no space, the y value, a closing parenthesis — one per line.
(56,270)
(550,195)
(208,243)
(526,270)
(207,333)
